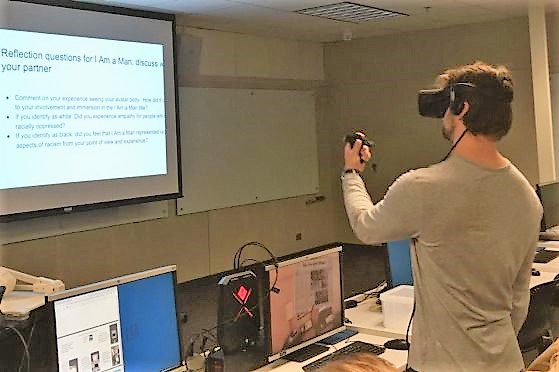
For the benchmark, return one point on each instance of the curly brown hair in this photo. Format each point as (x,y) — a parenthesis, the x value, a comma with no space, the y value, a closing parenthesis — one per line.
(490,112)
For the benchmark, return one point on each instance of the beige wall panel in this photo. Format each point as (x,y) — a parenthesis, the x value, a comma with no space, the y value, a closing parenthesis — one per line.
(330,154)
(552,26)
(274,223)
(520,144)
(90,256)
(39,257)
(284,58)
(425,53)
(251,56)
(311,65)
(217,54)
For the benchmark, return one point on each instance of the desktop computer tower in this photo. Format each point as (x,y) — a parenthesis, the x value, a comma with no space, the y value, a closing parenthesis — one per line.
(238,313)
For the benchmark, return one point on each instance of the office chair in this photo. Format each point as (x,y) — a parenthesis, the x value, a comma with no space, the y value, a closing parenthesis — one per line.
(538,321)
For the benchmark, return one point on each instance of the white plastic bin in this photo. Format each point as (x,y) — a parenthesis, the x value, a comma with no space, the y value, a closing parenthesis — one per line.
(397,305)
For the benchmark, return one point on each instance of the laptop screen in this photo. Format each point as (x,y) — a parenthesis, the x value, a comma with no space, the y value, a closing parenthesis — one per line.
(125,325)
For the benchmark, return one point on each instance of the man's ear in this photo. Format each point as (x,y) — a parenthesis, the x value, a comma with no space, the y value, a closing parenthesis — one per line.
(465,109)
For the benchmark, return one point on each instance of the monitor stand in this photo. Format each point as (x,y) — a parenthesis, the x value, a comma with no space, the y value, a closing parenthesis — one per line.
(306,353)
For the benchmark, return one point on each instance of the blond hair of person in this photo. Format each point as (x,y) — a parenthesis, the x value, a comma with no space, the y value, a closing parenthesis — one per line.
(359,362)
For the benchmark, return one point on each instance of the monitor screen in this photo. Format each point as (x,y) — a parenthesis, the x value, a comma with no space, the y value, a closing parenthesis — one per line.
(309,305)
(125,324)
(398,263)
(364,268)
(549,197)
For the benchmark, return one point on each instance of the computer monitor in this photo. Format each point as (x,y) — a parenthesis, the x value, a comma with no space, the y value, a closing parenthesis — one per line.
(125,324)
(549,197)
(309,305)
(398,263)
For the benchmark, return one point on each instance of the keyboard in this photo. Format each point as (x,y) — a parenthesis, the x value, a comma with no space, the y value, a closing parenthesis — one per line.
(354,347)
(545,256)
(339,337)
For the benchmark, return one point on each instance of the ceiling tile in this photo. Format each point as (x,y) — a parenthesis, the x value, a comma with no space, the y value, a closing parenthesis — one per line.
(413,7)
(192,6)
(287,5)
(127,2)
(256,28)
(510,7)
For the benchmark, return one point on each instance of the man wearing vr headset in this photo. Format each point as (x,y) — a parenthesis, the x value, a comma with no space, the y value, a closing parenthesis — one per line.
(474,220)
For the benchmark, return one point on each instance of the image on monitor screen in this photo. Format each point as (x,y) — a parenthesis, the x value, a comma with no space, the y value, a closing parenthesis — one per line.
(309,304)
(124,324)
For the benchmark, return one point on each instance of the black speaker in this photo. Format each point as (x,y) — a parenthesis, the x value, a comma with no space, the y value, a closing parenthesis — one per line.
(238,314)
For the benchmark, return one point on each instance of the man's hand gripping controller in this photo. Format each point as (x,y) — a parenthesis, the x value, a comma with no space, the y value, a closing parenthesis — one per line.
(351,138)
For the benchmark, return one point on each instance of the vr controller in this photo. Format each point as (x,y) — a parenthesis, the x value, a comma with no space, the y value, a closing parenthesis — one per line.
(351,138)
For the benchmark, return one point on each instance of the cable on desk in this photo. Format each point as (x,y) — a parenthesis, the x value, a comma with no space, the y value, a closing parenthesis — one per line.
(407,336)
(327,345)
(28,342)
(22,339)
(374,292)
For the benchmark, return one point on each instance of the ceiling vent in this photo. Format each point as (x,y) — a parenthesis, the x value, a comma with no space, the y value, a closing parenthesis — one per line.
(350,12)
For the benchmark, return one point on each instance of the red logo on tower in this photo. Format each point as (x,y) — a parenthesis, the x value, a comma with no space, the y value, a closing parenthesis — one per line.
(241,295)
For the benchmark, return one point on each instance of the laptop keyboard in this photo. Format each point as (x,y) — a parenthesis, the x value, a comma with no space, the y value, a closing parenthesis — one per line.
(545,256)
(354,347)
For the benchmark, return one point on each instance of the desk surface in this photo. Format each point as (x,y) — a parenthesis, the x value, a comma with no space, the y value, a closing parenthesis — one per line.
(396,357)
(367,317)
(552,245)
(544,277)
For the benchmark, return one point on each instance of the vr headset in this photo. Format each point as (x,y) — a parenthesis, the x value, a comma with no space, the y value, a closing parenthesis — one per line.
(433,103)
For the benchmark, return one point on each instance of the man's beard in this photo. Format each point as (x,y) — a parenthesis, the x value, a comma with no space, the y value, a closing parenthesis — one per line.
(448,133)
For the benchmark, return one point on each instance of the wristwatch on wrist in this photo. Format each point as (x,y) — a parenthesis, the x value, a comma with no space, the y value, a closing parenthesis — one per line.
(349,171)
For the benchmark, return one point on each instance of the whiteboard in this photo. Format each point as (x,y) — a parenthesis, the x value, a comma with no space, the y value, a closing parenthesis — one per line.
(242,146)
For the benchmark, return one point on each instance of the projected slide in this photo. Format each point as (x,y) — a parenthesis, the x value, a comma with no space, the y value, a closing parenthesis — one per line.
(76,109)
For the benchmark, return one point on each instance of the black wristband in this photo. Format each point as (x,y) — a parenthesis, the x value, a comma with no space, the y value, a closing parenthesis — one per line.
(351,170)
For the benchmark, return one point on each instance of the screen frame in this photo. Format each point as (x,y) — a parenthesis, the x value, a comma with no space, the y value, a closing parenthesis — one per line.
(268,324)
(544,225)
(388,266)
(116,10)
(113,282)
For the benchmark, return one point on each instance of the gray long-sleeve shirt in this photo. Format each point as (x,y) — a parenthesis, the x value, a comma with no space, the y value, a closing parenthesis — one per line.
(475,232)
